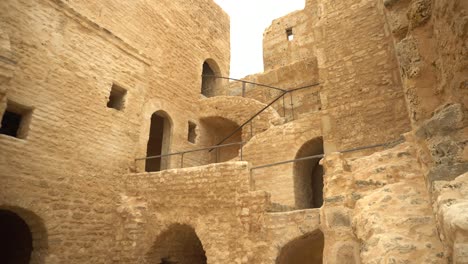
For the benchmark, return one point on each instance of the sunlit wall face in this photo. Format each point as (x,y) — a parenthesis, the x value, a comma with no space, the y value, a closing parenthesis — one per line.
(248,21)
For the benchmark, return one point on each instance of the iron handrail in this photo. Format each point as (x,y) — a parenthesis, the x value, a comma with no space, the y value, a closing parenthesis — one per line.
(263,109)
(396,142)
(190,151)
(243,81)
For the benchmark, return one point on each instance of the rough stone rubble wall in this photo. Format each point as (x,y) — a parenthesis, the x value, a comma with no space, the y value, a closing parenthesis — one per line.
(430,40)
(378,206)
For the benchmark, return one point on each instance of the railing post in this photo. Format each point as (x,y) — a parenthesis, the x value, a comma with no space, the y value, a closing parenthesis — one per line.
(292,105)
(241,149)
(243,89)
(182,160)
(251,129)
(284,106)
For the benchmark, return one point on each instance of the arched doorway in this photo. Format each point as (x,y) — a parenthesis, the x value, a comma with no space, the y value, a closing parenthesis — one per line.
(178,244)
(23,236)
(209,83)
(159,141)
(307,249)
(308,176)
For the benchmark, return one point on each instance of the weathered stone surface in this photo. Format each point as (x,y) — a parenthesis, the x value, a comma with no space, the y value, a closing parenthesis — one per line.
(419,12)
(76,180)
(396,225)
(408,55)
(451,206)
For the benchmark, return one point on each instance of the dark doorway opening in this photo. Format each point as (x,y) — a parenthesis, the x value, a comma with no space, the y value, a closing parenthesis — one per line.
(16,243)
(307,249)
(308,176)
(209,81)
(158,142)
(178,244)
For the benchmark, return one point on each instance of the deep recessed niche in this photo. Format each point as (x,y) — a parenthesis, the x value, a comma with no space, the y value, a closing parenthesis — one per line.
(290,34)
(117,97)
(192,132)
(15,120)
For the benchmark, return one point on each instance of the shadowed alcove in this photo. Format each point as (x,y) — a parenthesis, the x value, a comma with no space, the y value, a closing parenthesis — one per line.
(210,84)
(23,237)
(159,141)
(216,129)
(307,249)
(177,244)
(308,176)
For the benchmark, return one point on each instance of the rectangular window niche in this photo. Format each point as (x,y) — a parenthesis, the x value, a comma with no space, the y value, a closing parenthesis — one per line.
(15,120)
(290,34)
(192,132)
(117,97)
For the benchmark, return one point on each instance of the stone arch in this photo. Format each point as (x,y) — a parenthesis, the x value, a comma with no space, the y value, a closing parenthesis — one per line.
(179,244)
(23,236)
(306,249)
(308,176)
(159,141)
(210,85)
(216,128)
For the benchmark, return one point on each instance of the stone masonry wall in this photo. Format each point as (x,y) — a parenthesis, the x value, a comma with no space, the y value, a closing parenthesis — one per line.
(358,73)
(215,200)
(275,145)
(66,173)
(356,68)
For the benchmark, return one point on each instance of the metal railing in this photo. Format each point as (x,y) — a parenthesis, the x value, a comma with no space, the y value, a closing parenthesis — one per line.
(387,145)
(185,152)
(282,96)
(244,83)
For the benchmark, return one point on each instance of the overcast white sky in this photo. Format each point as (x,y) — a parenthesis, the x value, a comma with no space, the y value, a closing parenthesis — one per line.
(249,18)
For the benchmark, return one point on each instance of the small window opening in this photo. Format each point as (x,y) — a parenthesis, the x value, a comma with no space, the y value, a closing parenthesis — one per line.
(290,34)
(15,120)
(117,97)
(192,132)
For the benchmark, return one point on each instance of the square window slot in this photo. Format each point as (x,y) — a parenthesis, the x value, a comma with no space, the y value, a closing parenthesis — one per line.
(15,120)
(290,34)
(117,97)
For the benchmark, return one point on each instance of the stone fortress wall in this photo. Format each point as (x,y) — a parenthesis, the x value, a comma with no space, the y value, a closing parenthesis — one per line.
(99,85)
